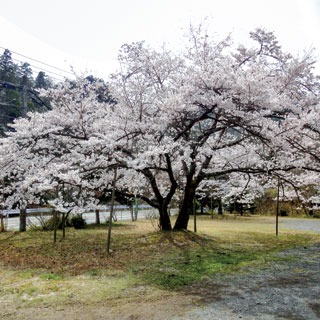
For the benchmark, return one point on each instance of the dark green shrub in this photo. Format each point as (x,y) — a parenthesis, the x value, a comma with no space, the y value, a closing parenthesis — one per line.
(78,222)
(48,225)
(316,214)
(284,213)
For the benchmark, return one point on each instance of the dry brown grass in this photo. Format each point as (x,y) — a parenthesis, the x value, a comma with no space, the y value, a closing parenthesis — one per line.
(78,273)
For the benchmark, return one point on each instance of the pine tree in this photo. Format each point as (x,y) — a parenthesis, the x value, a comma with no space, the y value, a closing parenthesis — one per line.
(25,70)
(8,70)
(42,81)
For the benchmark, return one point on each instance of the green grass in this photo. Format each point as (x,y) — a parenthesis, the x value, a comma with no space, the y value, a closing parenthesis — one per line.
(35,271)
(192,258)
(50,276)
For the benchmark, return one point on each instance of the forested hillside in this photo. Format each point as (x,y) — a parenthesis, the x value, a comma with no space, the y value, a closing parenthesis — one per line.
(19,89)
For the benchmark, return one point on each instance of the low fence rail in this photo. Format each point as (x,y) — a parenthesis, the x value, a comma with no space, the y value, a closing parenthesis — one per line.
(39,211)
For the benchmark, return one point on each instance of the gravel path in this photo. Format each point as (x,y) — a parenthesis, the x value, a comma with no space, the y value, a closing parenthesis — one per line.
(303,225)
(287,289)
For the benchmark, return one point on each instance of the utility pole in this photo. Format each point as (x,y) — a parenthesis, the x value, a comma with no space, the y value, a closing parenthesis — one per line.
(23,211)
(24,99)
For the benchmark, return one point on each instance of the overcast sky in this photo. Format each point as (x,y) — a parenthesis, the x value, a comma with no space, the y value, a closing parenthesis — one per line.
(88,34)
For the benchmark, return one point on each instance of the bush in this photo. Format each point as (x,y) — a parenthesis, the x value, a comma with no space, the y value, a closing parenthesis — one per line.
(48,224)
(316,214)
(78,222)
(284,213)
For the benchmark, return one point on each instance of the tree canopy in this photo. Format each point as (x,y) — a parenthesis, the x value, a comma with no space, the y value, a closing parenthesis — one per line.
(212,118)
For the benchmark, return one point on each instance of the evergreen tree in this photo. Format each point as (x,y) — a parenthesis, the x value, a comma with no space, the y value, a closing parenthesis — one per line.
(8,70)
(12,78)
(42,81)
(26,71)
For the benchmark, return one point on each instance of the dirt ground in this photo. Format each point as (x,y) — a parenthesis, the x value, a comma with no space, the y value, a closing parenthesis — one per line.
(160,308)
(286,289)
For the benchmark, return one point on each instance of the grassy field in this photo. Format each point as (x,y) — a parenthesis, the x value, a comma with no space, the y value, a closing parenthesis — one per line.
(145,266)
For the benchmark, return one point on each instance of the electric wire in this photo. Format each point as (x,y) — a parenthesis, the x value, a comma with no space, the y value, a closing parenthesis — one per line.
(32,91)
(41,69)
(46,64)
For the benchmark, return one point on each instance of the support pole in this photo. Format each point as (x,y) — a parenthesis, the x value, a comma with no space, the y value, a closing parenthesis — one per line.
(97,216)
(220,207)
(55,225)
(136,208)
(111,210)
(23,220)
(194,215)
(2,227)
(277,209)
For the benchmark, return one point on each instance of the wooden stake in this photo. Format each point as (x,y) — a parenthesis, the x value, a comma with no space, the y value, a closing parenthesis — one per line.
(111,210)
(194,215)
(277,209)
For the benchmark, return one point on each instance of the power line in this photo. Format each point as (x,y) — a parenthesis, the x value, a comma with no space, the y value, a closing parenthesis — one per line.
(46,64)
(42,70)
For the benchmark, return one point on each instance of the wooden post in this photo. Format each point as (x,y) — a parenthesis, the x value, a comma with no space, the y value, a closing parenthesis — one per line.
(136,208)
(64,215)
(111,210)
(23,220)
(55,226)
(64,225)
(2,227)
(211,206)
(97,216)
(220,207)
(277,209)
(131,211)
(194,215)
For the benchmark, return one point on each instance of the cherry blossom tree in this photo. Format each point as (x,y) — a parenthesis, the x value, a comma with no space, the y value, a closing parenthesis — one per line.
(206,113)
(180,119)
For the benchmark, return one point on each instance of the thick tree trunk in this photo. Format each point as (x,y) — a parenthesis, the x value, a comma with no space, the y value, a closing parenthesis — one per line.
(165,223)
(185,210)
